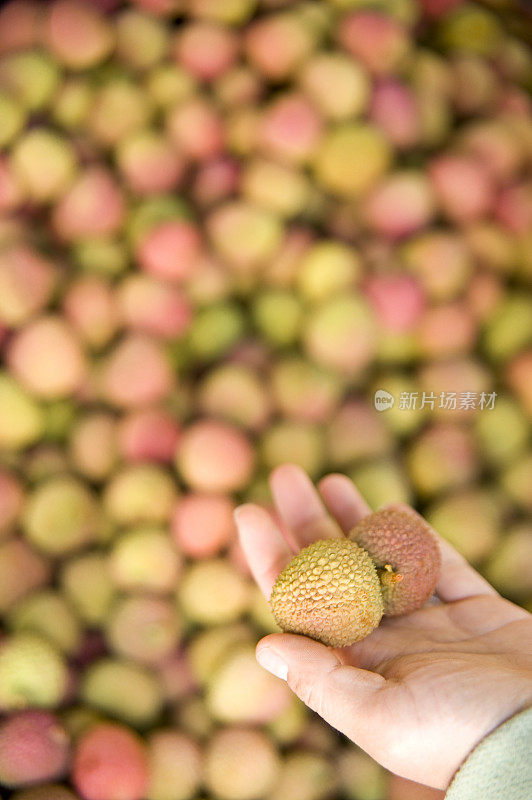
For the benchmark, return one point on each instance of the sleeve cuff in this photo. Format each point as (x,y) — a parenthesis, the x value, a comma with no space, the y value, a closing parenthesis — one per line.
(500,766)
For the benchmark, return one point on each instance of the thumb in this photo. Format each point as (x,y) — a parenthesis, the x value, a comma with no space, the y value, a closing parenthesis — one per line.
(344,696)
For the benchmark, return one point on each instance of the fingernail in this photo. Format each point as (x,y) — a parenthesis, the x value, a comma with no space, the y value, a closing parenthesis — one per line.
(236,512)
(269,659)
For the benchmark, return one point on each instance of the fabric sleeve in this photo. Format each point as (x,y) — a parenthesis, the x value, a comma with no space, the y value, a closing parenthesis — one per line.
(500,766)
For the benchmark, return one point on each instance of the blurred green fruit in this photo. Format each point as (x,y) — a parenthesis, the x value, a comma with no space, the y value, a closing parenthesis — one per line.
(61,516)
(352,157)
(508,566)
(305,776)
(278,315)
(240,691)
(32,673)
(212,592)
(175,765)
(144,559)
(86,582)
(48,614)
(340,334)
(32,77)
(124,690)
(471,519)
(21,418)
(240,764)
(12,119)
(297,442)
(215,330)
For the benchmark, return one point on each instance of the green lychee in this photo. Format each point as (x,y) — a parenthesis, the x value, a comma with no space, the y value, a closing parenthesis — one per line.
(329,591)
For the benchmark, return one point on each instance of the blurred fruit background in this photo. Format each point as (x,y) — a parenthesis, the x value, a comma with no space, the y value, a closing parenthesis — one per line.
(224,226)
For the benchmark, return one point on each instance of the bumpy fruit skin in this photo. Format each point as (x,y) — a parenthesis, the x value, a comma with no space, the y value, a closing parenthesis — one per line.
(329,591)
(406,554)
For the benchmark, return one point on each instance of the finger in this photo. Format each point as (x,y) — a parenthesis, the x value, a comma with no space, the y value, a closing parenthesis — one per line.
(343,500)
(458,579)
(265,549)
(346,697)
(300,506)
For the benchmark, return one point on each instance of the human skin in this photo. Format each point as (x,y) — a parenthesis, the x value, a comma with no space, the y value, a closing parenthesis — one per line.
(422,690)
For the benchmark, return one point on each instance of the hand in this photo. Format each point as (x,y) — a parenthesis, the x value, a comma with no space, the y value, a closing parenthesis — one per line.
(422,690)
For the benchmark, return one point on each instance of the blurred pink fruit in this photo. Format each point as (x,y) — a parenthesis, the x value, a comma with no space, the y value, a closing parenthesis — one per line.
(441,260)
(215,180)
(149,163)
(290,128)
(47,358)
(401,204)
(202,524)
(148,435)
(196,127)
(214,456)
(93,206)
(374,39)
(135,373)
(92,444)
(484,293)
(495,145)
(356,432)
(176,676)
(34,748)
(20,25)
(277,44)
(170,250)
(78,35)
(143,628)
(110,763)
(27,280)
(22,570)
(514,207)
(447,330)
(90,307)
(463,187)
(397,299)
(395,109)
(11,192)
(150,306)
(238,86)
(206,50)
(518,374)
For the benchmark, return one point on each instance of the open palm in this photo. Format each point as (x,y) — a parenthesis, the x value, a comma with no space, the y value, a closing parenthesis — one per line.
(422,690)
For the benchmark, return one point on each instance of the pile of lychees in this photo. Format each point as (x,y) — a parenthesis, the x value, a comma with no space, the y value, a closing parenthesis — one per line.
(226,226)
